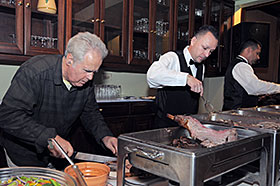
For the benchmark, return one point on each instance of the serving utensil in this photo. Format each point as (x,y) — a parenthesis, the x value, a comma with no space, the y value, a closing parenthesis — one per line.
(207,105)
(75,167)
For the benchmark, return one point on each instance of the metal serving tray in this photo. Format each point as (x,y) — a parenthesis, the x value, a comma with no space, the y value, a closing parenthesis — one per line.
(151,151)
(254,113)
(270,108)
(251,122)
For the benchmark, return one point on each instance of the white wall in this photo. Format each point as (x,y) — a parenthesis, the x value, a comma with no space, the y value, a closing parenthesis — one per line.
(133,84)
(6,74)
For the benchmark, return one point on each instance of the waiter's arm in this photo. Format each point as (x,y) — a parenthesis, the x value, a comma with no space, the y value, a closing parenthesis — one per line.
(244,74)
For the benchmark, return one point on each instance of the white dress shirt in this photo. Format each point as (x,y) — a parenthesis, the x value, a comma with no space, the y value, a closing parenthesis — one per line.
(244,74)
(166,71)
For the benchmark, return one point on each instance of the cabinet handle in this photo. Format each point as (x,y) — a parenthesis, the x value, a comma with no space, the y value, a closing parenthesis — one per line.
(152,31)
(97,20)
(92,20)
(222,46)
(100,110)
(103,21)
(19,3)
(27,5)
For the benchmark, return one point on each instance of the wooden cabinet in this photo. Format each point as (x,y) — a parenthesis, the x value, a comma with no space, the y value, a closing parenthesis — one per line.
(105,18)
(25,31)
(121,117)
(189,15)
(150,30)
(125,117)
(136,32)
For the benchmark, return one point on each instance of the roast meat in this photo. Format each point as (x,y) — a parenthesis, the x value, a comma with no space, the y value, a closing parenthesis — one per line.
(208,137)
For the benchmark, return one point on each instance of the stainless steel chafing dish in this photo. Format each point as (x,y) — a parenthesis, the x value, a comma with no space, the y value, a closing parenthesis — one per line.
(151,151)
(255,120)
(268,108)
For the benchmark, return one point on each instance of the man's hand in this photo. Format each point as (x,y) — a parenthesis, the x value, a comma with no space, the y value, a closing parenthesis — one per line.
(67,147)
(195,84)
(111,143)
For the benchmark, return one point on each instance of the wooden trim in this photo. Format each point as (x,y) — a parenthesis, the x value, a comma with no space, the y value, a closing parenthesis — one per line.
(27,26)
(97,17)
(124,29)
(207,17)
(175,25)
(11,59)
(61,26)
(152,35)
(19,26)
(191,19)
(68,30)
(221,30)
(130,31)
(102,17)
(171,24)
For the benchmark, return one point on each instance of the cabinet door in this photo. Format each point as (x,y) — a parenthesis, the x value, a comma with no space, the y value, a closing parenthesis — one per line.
(113,28)
(182,22)
(142,122)
(139,41)
(119,125)
(43,30)
(226,36)
(199,12)
(82,16)
(212,61)
(11,24)
(163,27)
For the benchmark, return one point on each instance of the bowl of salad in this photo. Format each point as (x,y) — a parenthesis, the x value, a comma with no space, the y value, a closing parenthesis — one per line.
(29,176)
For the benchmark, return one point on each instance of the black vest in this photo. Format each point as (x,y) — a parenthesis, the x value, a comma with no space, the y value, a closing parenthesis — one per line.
(179,100)
(235,96)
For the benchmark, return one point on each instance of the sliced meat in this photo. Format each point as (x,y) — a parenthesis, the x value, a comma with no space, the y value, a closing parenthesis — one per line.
(209,137)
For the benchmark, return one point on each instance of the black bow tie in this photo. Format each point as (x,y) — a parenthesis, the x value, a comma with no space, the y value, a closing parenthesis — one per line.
(194,63)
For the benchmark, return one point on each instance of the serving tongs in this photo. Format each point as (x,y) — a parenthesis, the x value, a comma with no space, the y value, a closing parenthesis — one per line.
(76,169)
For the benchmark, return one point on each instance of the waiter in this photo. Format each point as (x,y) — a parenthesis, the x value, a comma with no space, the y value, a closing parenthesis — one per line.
(242,86)
(178,77)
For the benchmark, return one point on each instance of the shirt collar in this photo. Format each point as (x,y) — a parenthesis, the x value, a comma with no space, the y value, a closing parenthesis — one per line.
(187,55)
(243,58)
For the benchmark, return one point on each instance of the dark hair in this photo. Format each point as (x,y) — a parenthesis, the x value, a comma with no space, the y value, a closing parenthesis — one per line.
(253,43)
(207,28)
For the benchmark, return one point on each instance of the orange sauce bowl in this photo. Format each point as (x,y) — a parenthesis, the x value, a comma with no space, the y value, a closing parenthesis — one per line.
(94,173)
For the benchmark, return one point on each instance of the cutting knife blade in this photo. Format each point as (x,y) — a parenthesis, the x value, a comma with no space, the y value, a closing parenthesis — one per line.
(94,157)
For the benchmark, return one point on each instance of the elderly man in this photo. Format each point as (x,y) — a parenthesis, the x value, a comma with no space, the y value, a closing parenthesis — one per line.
(242,86)
(47,95)
(178,76)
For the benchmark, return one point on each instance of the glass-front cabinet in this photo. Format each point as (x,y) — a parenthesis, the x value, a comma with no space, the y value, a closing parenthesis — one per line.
(31,27)
(163,27)
(212,64)
(136,32)
(182,24)
(140,32)
(105,18)
(150,30)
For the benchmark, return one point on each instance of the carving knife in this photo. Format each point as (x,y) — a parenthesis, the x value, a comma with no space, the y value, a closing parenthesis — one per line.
(92,157)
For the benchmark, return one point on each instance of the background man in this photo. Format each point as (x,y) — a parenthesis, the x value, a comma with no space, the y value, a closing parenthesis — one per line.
(178,77)
(242,86)
(47,95)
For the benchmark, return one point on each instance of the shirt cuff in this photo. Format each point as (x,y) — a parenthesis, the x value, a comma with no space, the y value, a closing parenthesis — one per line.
(42,141)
